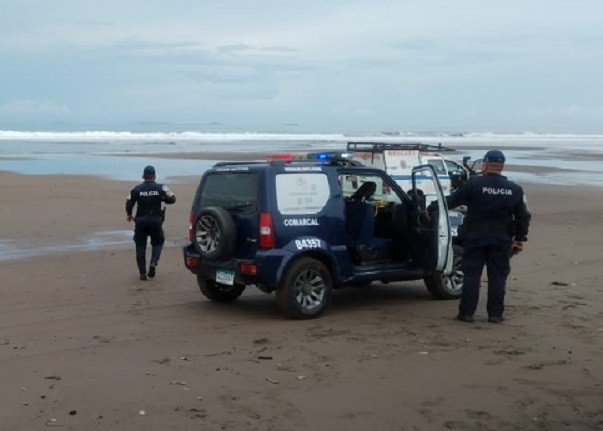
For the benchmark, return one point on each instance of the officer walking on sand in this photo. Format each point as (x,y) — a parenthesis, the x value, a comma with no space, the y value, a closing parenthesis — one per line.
(496,226)
(149,218)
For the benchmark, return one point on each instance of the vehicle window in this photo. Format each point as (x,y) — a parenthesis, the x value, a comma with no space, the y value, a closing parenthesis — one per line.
(351,183)
(302,193)
(438,165)
(233,191)
(453,166)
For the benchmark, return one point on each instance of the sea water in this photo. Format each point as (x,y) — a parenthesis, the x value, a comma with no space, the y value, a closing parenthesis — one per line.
(566,158)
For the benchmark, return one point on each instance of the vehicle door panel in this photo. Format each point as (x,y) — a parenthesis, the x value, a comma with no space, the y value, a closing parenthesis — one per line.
(433,247)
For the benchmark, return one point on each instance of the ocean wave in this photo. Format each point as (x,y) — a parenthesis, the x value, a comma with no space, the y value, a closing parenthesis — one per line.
(167,136)
(385,136)
(532,136)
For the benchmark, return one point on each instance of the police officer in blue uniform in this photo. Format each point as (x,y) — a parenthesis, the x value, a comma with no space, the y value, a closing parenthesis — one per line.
(495,227)
(148,195)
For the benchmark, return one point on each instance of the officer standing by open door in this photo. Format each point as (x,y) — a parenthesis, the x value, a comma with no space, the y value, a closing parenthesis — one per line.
(495,227)
(148,195)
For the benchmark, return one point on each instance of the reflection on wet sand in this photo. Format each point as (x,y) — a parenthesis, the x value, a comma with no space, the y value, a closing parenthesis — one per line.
(13,249)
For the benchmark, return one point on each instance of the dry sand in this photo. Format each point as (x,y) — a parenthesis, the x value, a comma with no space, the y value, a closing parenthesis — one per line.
(85,345)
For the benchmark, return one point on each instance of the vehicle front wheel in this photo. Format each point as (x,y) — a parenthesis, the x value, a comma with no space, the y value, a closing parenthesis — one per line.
(305,290)
(219,292)
(447,286)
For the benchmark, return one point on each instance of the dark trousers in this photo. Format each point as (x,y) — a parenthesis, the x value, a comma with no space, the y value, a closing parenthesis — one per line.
(144,228)
(496,259)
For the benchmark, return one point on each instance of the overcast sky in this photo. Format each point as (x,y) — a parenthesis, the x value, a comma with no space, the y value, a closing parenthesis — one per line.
(311,65)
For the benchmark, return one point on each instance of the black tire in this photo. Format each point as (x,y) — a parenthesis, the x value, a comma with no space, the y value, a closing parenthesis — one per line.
(305,289)
(451,285)
(215,234)
(219,292)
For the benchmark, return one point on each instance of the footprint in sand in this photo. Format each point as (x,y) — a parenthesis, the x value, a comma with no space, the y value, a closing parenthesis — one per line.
(541,365)
(509,352)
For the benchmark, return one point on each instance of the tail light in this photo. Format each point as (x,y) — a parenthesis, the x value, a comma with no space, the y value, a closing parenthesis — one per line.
(248,268)
(191,227)
(266,231)
(191,262)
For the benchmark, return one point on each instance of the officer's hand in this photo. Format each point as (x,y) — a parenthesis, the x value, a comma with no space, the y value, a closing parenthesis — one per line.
(517,246)
(130,218)
(427,215)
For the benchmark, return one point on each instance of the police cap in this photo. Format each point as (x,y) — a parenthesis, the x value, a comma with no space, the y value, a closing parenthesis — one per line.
(148,171)
(495,156)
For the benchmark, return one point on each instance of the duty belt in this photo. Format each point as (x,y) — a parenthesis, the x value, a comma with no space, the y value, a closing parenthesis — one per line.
(489,226)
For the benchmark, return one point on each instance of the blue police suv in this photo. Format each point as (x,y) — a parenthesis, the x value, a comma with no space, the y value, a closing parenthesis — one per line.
(301,228)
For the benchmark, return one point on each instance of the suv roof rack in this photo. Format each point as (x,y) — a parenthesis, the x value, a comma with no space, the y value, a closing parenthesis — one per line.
(329,158)
(249,162)
(333,161)
(382,146)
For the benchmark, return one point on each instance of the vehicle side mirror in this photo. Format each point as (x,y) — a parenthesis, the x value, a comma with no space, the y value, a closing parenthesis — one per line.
(471,168)
(456,179)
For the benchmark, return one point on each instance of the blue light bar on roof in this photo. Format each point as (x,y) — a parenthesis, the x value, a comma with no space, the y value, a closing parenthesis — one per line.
(322,156)
(328,155)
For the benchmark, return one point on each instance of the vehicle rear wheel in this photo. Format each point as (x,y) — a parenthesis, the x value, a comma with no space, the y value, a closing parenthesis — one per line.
(219,292)
(215,234)
(447,286)
(305,290)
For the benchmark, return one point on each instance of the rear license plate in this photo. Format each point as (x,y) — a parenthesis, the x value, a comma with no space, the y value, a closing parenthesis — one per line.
(225,276)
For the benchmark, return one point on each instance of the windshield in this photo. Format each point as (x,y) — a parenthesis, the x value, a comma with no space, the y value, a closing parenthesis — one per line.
(438,165)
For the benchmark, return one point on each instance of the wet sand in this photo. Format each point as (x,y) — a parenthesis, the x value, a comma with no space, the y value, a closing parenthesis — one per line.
(85,345)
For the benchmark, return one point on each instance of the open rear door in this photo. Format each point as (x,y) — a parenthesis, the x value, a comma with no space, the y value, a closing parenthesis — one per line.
(435,232)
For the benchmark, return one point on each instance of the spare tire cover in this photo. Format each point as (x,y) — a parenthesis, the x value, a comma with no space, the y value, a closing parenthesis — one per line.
(215,234)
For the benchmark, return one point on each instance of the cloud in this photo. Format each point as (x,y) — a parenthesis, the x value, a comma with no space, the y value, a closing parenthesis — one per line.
(574,110)
(27,108)
(407,62)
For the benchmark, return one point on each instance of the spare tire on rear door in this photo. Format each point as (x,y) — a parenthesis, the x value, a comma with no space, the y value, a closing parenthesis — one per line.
(215,234)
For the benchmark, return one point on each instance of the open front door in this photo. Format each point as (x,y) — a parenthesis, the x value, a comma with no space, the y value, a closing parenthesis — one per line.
(435,232)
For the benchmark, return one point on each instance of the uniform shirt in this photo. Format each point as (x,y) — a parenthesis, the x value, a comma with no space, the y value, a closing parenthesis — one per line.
(497,210)
(149,195)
